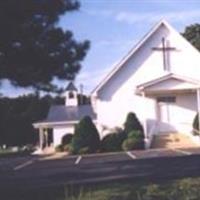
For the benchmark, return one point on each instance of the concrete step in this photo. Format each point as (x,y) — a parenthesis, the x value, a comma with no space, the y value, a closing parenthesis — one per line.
(172,140)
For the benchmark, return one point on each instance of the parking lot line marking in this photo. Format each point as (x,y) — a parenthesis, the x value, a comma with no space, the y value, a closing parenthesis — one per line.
(182,151)
(78,160)
(23,165)
(131,155)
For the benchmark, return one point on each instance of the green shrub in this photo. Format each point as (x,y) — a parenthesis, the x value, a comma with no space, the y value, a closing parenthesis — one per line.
(136,133)
(113,142)
(135,140)
(66,139)
(85,136)
(132,123)
(59,148)
(195,125)
(67,147)
(84,150)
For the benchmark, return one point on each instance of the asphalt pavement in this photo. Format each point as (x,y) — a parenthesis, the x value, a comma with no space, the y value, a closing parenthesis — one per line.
(32,172)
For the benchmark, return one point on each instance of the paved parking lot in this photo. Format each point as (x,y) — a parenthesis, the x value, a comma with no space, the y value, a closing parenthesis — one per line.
(135,155)
(38,171)
(30,162)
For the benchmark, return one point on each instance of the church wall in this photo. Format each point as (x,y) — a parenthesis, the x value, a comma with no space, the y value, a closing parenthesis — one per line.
(143,66)
(113,114)
(118,96)
(59,132)
(184,111)
(186,59)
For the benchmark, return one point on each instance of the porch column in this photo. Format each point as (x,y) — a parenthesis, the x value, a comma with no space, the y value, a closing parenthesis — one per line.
(198,106)
(144,122)
(41,138)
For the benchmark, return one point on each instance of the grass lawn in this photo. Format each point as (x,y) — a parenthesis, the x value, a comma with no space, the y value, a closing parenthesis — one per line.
(185,189)
(4,153)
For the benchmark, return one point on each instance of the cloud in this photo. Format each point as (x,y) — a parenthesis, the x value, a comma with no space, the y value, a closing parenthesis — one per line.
(135,17)
(177,16)
(90,79)
(115,43)
(101,13)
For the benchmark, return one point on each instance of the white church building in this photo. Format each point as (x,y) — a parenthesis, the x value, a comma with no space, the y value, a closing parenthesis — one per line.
(159,80)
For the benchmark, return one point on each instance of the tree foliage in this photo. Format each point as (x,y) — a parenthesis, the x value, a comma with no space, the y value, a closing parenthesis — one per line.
(17,116)
(195,125)
(192,34)
(86,137)
(33,48)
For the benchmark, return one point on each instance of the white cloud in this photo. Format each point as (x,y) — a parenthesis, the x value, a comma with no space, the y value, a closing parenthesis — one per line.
(114,43)
(101,13)
(134,17)
(90,79)
(177,16)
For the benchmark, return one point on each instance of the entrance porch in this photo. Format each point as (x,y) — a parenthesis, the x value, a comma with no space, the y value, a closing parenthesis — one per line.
(177,101)
(45,137)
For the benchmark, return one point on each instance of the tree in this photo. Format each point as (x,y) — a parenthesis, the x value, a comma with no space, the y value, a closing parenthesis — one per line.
(17,116)
(86,137)
(195,125)
(33,48)
(192,34)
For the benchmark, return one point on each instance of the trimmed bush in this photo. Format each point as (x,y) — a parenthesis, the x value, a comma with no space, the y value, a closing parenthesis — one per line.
(66,139)
(59,148)
(132,123)
(195,125)
(67,148)
(135,140)
(85,136)
(113,142)
(84,150)
(132,144)
(137,134)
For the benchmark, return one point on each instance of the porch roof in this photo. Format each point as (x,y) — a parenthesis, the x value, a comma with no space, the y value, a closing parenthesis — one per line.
(168,83)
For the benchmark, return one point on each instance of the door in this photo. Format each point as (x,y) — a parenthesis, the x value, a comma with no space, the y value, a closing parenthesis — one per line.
(49,137)
(165,114)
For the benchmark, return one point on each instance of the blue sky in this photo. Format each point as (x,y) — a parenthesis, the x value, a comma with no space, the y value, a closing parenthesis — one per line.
(114,26)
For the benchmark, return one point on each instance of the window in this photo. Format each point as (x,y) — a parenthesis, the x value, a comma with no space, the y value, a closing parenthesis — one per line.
(71,95)
(167,99)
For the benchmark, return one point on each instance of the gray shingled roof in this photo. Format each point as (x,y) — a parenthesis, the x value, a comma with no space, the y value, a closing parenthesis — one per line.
(61,113)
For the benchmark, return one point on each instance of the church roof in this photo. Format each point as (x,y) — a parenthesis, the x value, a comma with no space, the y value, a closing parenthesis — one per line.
(67,114)
(71,87)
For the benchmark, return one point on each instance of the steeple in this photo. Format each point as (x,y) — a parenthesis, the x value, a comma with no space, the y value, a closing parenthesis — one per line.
(71,95)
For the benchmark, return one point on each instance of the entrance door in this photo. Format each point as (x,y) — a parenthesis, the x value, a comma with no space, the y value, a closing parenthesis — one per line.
(165,114)
(49,137)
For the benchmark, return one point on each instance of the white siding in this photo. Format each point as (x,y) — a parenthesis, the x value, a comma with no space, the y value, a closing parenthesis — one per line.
(184,111)
(59,132)
(117,97)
